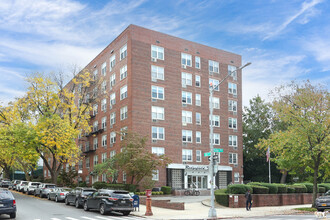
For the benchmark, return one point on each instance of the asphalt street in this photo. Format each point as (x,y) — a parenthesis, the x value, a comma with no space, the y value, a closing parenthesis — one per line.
(34,208)
(284,217)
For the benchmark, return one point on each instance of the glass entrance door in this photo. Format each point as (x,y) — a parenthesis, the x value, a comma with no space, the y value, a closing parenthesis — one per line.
(199,182)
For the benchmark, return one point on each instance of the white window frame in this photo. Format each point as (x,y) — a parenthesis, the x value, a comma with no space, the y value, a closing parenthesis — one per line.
(232,88)
(95,126)
(232,123)
(104,157)
(158,133)
(236,177)
(158,151)
(112,137)
(232,158)
(104,68)
(123,52)
(113,80)
(197,62)
(187,136)
(123,72)
(113,118)
(186,59)
(113,99)
(123,133)
(198,137)
(157,72)
(123,92)
(95,160)
(198,156)
(215,121)
(216,103)
(216,139)
(155,175)
(197,80)
(104,105)
(198,118)
(186,98)
(186,117)
(95,109)
(186,79)
(157,113)
(232,140)
(159,91)
(104,122)
(104,140)
(112,62)
(123,113)
(213,66)
(95,143)
(157,52)
(187,155)
(87,161)
(214,82)
(112,153)
(95,73)
(232,72)
(232,105)
(198,99)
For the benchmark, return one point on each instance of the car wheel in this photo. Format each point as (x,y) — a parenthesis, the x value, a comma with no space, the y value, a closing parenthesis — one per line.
(102,209)
(320,210)
(126,213)
(13,215)
(77,204)
(85,206)
(56,199)
(48,196)
(66,201)
(40,195)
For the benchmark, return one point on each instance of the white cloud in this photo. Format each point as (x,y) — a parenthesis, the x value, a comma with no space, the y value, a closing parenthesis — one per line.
(320,49)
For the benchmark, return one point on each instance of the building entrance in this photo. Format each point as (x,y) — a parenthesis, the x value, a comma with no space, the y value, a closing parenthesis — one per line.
(197,181)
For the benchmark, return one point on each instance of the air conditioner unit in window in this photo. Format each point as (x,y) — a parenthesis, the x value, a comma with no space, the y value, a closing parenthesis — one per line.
(154,141)
(154,120)
(184,66)
(184,104)
(184,124)
(153,59)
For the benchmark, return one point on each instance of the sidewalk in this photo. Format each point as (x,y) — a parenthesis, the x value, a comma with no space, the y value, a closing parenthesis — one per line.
(199,210)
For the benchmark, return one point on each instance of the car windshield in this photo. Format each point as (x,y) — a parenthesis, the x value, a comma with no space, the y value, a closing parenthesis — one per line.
(50,186)
(85,192)
(119,194)
(35,184)
(5,195)
(65,190)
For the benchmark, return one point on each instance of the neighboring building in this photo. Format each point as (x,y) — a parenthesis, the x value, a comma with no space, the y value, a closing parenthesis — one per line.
(158,86)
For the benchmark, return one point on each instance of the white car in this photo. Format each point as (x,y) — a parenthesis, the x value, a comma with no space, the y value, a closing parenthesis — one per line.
(29,189)
(21,186)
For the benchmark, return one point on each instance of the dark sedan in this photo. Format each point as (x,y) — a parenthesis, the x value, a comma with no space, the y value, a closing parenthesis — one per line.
(106,201)
(7,203)
(323,202)
(77,196)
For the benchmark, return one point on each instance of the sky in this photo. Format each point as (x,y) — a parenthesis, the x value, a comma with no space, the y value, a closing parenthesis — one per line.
(284,40)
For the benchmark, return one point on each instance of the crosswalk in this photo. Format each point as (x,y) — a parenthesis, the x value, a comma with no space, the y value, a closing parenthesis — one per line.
(130,217)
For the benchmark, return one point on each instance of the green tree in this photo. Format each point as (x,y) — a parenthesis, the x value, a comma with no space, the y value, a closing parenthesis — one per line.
(305,142)
(109,168)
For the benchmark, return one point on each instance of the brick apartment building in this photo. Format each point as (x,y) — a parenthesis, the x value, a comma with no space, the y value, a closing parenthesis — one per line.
(158,86)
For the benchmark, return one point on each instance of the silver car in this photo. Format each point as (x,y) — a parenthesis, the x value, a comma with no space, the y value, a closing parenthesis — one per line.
(58,194)
(29,189)
(43,189)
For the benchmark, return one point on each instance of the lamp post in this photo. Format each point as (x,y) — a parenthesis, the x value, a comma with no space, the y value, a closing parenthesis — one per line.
(212,211)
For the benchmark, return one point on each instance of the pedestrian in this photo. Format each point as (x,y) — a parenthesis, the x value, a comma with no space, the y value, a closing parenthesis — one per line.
(248,197)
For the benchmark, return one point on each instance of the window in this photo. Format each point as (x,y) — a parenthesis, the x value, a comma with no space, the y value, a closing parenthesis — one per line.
(198,156)
(232,88)
(186,155)
(123,52)
(96,160)
(95,109)
(87,146)
(216,103)
(216,139)
(112,80)
(213,66)
(232,123)
(186,117)
(155,175)
(187,136)
(157,92)
(158,151)
(232,71)
(124,177)
(104,69)
(113,99)
(95,92)
(104,177)
(157,72)
(104,140)
(87,162)
(113,118)
(123,92)
(104,105)
(236,177)
(104,157)
(186,79)
(157,112)
(123,72)
(185,59)
(95,126)
(157,52)
(232,158)
(232,141)
(95,74)
(198,81)
(198,118)
(198,137)
(198,99)
(198,62)
(123,132)
(112,137)
(232,105)
(214,83)
(80,165)
(123,113)
(158,133)
(112,153)
(104,87)
(95,143)
(112,62)
(215,121)
(186,97)
(104,122)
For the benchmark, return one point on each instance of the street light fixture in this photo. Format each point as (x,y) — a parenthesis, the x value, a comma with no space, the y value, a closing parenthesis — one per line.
(212,211)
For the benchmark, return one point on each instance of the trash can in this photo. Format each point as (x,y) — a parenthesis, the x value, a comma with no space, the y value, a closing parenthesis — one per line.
(136,202)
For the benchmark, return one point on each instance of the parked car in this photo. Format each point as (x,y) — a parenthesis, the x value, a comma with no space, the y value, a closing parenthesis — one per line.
(7,203)
(15,183)
(107,201)
(20,187)
(323,202)
(58,194)
(29,189)
(5,183)
(43,189)
(77,196)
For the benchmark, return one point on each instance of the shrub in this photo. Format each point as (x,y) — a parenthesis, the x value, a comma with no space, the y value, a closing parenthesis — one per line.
(326,186)
(130,187)
(221,197)
(260,189)
(161,193)
(299,188)
(255,183)
(321,189)
(273,188)
(239,189)
(100,185)
(281,188)
(291,189)
(82,184)
(116,186)
(309,187)
(167,189)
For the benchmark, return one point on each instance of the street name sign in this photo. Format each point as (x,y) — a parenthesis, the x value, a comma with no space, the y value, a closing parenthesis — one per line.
(218,150)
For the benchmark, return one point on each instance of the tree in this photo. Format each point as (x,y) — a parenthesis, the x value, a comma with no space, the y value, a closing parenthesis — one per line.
(108,168)
(305,143)
(136,160)
(258,123)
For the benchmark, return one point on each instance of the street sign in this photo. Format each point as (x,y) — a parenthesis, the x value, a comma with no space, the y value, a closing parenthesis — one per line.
(207,154)
(218,150)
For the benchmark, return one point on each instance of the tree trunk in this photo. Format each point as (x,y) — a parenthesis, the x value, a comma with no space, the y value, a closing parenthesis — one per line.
(284,175)
(316,173)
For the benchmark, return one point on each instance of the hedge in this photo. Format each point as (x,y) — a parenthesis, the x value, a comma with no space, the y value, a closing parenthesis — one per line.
(166,189)
(239,189)
(309,187)
(291,189)
(221,197)
(326,186)
(321,189)
(104,185)
(260,189)
(273,188)
(281,188)
(299,188)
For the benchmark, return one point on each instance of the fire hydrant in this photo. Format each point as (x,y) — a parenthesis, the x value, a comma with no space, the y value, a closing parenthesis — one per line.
(148,203)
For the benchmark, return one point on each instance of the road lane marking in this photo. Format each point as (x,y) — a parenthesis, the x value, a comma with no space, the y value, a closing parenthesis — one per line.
(71,218)
(88,218)
(55,219)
